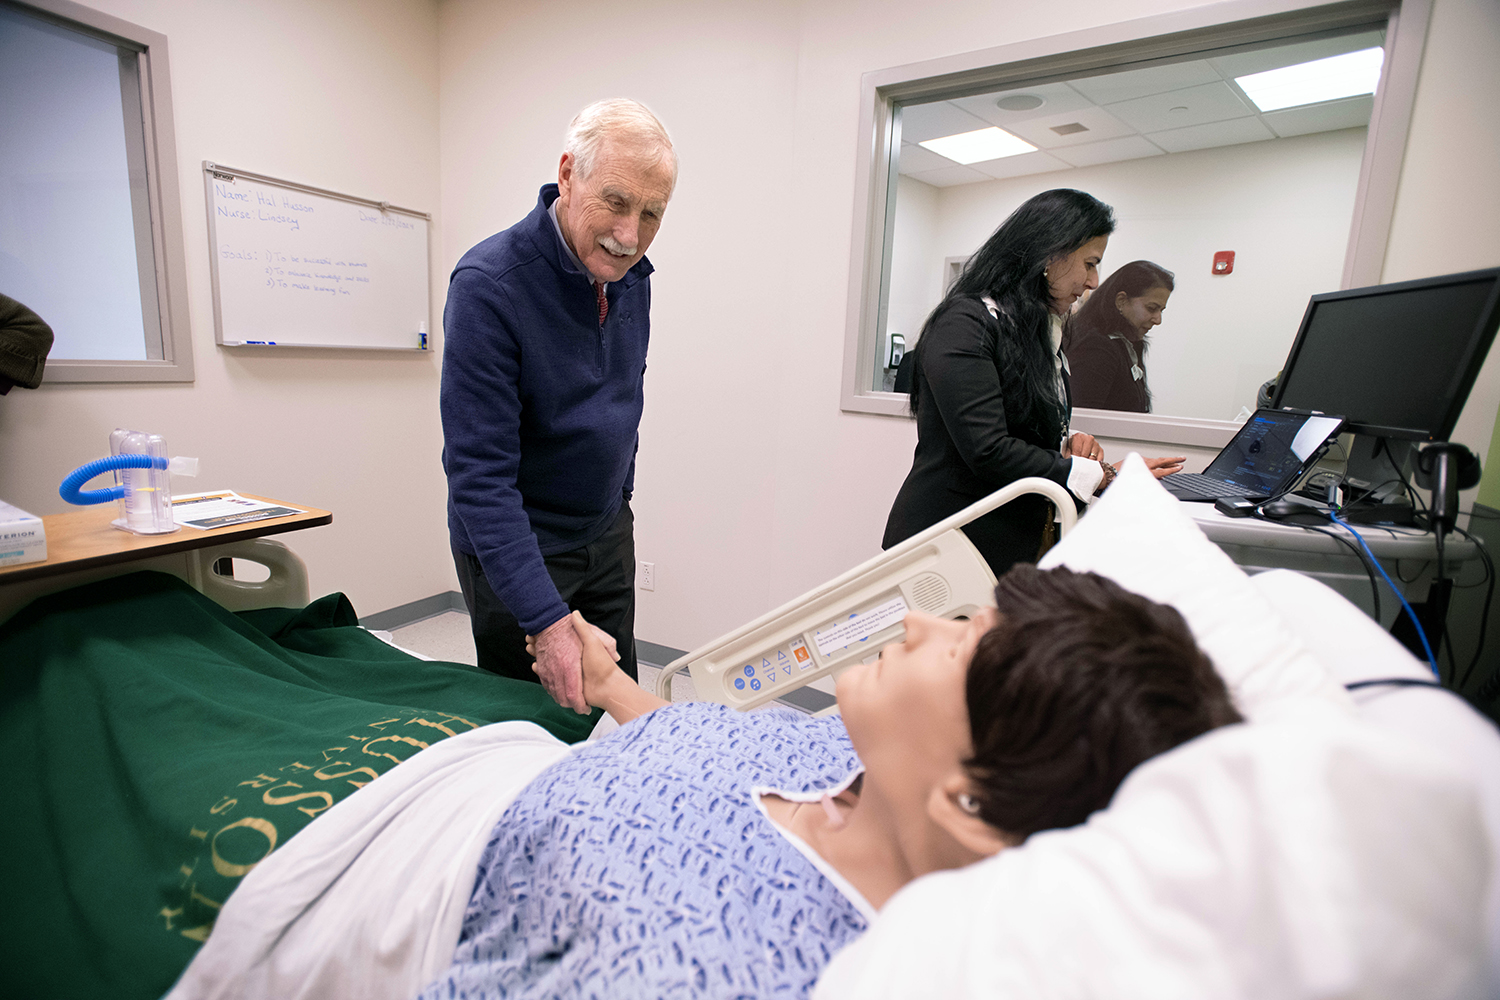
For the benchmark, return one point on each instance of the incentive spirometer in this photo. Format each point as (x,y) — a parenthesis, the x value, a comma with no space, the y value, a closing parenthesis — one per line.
(850,618)
(143,482)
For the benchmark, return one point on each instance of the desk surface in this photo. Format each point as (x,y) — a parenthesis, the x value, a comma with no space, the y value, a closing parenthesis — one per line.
(1385,542)
(85,538)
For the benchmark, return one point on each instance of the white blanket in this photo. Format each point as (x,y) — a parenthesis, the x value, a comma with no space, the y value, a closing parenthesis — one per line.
(368,900)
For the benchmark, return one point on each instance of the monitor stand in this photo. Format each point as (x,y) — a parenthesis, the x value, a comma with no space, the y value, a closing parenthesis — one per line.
(1376,467)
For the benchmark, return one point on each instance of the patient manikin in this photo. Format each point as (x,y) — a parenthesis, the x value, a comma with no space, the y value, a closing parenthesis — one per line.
(699,851)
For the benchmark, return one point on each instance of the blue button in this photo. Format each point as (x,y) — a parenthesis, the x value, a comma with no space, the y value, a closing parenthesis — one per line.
(739,682)
(749,670)
(755,685)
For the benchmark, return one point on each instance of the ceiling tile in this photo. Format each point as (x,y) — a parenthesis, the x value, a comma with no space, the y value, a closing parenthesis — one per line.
(1245,63)
(1353,112)
(950,176)
(1227,133)
(920,122)
(1019,166)
(1057,98)
(915,159)
(1100,124)
(1133,83)
(1132,147)
(1213,102)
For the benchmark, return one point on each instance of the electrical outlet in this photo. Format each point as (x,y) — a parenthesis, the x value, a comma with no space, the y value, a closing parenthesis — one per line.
(646,577)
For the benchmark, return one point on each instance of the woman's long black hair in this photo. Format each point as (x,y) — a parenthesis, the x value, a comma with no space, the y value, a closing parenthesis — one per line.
(1009,269)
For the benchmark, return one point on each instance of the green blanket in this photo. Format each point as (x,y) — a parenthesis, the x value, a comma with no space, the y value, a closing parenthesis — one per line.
(157,747)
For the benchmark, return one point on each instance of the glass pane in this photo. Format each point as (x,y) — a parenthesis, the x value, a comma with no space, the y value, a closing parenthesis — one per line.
(1191,166)
(68,220)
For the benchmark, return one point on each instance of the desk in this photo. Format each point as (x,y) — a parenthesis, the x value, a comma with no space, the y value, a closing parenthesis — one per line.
(1409,555)
(83,546)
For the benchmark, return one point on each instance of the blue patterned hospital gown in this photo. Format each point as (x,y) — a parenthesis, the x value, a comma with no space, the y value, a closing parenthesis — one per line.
(640,866)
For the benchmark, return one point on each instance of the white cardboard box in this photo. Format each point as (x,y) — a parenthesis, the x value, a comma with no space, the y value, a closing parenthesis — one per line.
(23,539)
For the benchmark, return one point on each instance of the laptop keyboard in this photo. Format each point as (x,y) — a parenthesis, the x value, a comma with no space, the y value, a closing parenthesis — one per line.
(1193,485)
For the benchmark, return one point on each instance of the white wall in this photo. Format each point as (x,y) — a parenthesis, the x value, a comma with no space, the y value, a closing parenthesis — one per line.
(1282,205)
(339,94)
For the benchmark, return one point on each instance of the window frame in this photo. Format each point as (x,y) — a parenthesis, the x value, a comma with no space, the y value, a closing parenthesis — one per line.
(1080,53)
(164,201)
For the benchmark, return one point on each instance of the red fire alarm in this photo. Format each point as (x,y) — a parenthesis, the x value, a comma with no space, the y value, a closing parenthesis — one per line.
(1224,262)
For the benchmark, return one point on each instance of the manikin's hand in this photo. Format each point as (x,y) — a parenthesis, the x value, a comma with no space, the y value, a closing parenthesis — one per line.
(602,677)
(605,685)
(1163,467)
(558,663)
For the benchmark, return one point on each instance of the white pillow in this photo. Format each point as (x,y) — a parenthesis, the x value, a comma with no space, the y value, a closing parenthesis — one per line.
(1138,535)
(1354,649)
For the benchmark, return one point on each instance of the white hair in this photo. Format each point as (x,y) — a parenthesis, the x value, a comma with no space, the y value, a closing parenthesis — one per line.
(617,118)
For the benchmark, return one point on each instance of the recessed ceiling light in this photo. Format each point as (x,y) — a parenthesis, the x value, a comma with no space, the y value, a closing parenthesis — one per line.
(1020,102)
(978,146)
(1349,75)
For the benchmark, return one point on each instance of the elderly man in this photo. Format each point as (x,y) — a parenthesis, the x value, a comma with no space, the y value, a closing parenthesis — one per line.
(547,325)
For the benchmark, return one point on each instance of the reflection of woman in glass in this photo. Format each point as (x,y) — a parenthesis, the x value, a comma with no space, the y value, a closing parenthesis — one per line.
(988,388)
(1105,341)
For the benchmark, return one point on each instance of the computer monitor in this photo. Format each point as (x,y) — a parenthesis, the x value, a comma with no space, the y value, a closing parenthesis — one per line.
(1395,360)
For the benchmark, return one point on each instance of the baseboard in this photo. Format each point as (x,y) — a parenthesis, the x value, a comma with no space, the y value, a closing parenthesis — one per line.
(416,611)
(650,653)
(655,655)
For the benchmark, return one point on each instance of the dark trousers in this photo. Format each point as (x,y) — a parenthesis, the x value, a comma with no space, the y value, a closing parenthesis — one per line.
(598,580)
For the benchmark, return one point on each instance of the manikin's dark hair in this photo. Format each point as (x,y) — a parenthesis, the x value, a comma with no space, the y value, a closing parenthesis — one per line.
(1079,682)
(1009,269)
(1100,314)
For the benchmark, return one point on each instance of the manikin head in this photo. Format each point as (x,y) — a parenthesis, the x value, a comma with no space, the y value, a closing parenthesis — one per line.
(1027,719)
(616,175)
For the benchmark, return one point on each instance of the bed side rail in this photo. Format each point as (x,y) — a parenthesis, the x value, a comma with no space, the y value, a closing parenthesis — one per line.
(851,617)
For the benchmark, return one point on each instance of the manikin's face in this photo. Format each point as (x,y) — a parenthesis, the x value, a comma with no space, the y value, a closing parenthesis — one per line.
(1070,275)
(610,216)
(1143,311)
(907,713)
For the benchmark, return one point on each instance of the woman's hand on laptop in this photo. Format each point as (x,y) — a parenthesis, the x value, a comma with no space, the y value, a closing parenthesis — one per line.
(1163,467)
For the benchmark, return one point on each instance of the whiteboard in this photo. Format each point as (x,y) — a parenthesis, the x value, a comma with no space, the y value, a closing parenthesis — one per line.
(296,266)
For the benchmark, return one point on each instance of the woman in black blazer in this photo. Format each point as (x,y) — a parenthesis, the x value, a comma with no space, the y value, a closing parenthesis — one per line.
(990,386)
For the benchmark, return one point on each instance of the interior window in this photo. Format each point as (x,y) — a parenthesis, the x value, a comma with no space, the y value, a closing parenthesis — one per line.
(1232,144)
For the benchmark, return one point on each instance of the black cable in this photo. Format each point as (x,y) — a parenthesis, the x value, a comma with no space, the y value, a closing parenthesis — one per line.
(1404,682)
(1484,616)
(1358,552)
(1364,561)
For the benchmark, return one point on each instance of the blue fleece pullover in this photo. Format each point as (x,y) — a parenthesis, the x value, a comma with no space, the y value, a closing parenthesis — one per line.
(540,406)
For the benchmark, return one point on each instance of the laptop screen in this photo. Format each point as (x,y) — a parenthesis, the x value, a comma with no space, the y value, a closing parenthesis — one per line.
(1270,449)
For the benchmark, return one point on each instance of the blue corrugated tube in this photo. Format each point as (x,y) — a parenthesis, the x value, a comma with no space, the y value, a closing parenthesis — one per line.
(69,490)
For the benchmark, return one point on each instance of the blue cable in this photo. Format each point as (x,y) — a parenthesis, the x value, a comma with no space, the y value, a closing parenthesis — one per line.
(1421,634)
(69,490)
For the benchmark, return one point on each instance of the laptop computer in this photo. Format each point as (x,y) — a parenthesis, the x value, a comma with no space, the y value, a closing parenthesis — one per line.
(1264,459)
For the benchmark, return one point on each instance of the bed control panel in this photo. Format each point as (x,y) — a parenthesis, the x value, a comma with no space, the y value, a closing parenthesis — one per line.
(844,622)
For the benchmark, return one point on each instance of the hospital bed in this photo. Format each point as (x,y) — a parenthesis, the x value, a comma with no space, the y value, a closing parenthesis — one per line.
(1274,678)
(167,746)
